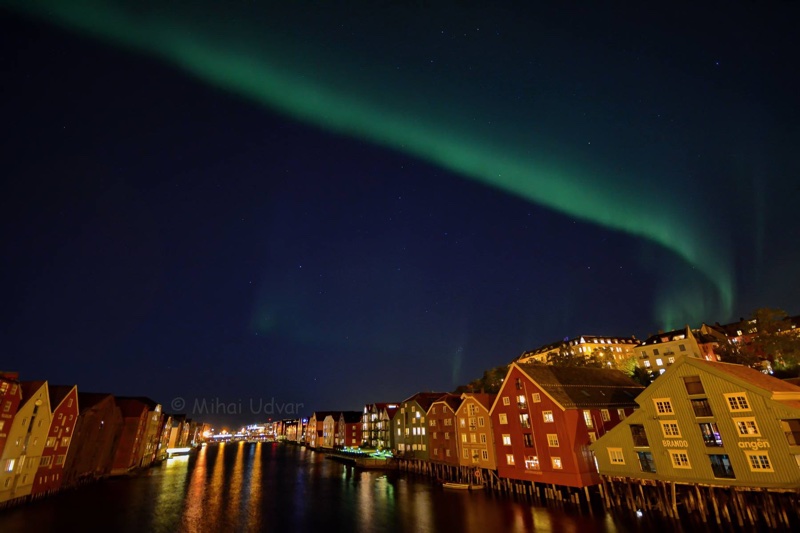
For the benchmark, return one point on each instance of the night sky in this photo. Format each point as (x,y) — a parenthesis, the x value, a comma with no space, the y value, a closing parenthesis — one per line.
(333,205)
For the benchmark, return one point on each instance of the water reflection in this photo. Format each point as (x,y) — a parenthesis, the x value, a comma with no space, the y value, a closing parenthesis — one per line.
(269,487)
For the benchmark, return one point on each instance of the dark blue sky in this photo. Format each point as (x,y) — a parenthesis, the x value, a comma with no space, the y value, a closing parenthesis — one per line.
(172,238)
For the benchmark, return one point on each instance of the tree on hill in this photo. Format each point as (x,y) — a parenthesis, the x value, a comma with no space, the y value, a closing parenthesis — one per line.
(566,358)
(490,382)
(772,338)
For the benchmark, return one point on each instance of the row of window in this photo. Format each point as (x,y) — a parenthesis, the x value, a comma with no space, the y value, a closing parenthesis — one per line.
(758,461)
(532,462)
(552,440)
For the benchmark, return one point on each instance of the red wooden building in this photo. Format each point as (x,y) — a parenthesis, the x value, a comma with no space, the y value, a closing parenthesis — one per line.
(10,398)
(64,406)
(132,439)
(350,429)
(544,418)
(443,430)
(94,439)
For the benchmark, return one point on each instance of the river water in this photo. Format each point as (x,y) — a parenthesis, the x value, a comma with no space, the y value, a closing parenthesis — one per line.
(279,487)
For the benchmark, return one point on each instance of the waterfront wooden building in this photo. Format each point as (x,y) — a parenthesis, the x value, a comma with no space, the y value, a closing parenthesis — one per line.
(410,426)
(545,417)
(64,416)
(315,431)
(130,447)
(10,399)
(376,425)
(94,440)
(25,443)
(709,423)
(442,430)
(476,447)
(348,432)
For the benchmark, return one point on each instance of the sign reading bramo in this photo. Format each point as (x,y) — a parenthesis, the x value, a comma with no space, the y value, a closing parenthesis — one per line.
(253,406)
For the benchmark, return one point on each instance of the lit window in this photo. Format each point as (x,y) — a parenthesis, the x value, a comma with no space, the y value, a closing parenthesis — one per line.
(679,459)
(737,401)
(621,414)
(506,400)
(465,454)
(537,397)
(759,461)
(524,420)
(552,440)
(659,362)
(556,463)
(463,437)
(587,417)
(615,456)
(670,428)
(510,458)
(506,440)
(605,415)
(747,427)
(548,416)
(532,462)
(663,406)
(503,418)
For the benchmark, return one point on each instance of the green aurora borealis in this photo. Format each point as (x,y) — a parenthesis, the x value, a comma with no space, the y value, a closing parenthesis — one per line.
(410,114)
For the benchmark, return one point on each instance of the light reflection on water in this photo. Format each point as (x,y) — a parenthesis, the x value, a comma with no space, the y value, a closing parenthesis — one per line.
(269,487)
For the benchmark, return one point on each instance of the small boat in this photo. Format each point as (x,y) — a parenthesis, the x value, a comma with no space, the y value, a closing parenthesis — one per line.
(459,486)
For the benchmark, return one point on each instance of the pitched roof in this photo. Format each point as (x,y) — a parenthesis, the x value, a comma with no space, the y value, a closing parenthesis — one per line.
(584,387)
(320,416)
(29,388)
(151,404)
(483,398)
(453,401)
(131,407)
(752,376)
(87,400)
(58,393)
(425,399)
(391,411)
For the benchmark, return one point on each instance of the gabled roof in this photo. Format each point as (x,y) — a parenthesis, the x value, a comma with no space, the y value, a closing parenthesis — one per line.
(29,388)
(425,399)
(752,376)
(391,411)
(483,398)
(87,400)
(574,387)
(151,404)
(58,393)
(320,416)
(131,407)
(668,336)
(453,401)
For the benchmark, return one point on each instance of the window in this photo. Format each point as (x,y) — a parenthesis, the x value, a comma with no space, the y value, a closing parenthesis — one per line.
(679,458)
(791,429)
(506,440)
(481,422)
(463,437)
(710,433)
(521,401)
(621,414)
(473,438)
(524,420)
(465,453)
(663,406)
(548,416)
(701,408)
(51,441)
(483,438)
(9,466)
(587,417)
(528,440)
(759,461)
(556,463)
(447,452)
(473,409)
(433,410)
(472,425)
(503,418)
(615,456)
(693,385)
(747,427)
(655,351)
(659,362)
(639,435)
(592,436)
(436,451)
(435,435)
(510,458)
(506,400)
(737,401)
(518,383)
(485,455)
(721,466)
(552,440)
(605,415)
(670,429)
(647,364)
(60,459)
(537,398)
(682,347)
